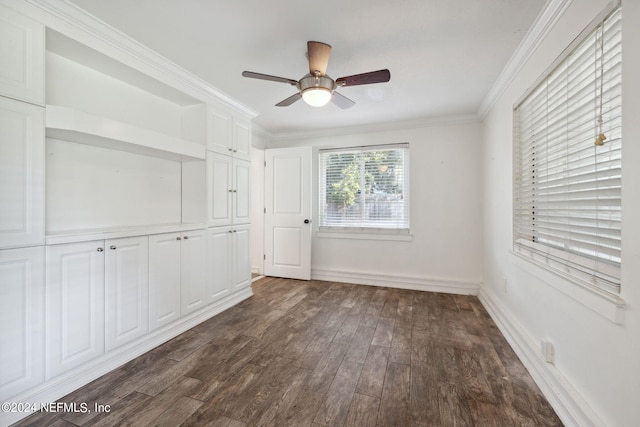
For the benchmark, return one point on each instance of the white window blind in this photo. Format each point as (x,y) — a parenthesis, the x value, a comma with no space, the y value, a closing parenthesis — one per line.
(567,187)
(365,188)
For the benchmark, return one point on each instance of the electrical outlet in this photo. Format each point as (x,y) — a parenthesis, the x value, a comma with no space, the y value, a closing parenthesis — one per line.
(548,351)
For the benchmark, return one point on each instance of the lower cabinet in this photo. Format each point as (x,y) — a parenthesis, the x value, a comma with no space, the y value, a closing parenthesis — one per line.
(74,305)
(241,256)
(164,279)
(177,275)
(228,260)
(22,319)
(126,290)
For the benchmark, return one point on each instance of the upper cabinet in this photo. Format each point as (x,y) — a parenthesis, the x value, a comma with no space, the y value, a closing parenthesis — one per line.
(228,132)
(21,174)
(21,57)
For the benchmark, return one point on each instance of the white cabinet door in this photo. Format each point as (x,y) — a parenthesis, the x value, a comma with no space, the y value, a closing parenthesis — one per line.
(164,279)
(21,57)
(219,262)
(242,139)
(228,133)
(21,173)
(74,305)
(241,256)
(22,319)
(193,271)
(219,189)
(219,132)
(126,290)
(241,194)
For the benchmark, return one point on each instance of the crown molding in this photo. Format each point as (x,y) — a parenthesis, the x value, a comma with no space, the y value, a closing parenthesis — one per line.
(543,24)
(72,21)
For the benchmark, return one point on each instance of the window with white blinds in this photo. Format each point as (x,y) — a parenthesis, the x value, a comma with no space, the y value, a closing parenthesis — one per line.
(567,161)
(365,188)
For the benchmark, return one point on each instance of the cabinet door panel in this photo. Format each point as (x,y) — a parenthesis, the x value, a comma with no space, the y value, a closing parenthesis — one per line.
(242,142)
(219,132)
(21,174)
(164,279)
(126,290)
(75,305)
(219,189)
(22,317)
(242,256)
(219,259)
(21,57)
(242,192)
(193,273)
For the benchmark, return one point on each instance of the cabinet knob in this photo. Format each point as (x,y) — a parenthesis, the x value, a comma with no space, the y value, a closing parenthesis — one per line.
(235,151)
(230,149)
(112,247)
(186,237)
(178,238)
(100,249)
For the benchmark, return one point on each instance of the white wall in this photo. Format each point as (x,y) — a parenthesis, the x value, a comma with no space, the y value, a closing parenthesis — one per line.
(445,197)
(596,377)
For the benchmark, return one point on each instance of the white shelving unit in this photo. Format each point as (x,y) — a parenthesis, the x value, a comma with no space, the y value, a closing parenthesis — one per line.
(112,164)
(76,126)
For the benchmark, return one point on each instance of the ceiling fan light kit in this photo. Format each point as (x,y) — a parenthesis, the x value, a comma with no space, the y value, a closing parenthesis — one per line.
(317,88)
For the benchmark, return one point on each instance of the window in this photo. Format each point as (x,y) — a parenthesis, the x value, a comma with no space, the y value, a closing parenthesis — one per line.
(567,161)
(365,188)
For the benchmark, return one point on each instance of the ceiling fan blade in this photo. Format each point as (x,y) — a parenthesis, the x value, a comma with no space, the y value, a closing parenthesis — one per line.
(260,76)
(318,57)
(290,100)
(380,76)
(342,101)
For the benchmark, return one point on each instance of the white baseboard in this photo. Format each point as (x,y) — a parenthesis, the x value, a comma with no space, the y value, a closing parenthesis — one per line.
(60,386)
(401,282)
(570,406)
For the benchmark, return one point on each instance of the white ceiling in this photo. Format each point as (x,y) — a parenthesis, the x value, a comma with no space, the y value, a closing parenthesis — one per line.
(444,55)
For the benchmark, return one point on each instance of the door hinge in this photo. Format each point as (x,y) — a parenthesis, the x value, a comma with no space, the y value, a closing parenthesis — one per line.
(265,210)
(264,257)
(265,163)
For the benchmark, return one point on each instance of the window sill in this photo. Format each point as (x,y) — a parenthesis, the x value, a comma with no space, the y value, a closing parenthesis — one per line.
(364,235)
(607,305)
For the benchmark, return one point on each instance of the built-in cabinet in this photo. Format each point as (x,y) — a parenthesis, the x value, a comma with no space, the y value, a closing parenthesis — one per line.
(229,262)
(229,133)
(74,301)
(22,57)
(106,195)
(22,316)
(228,190)
(126,294)
(21,174)
(177,275)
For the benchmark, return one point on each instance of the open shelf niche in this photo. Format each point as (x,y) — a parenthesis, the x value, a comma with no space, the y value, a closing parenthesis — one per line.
(125,152)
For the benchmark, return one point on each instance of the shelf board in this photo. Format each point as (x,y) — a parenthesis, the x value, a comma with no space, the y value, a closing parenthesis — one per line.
(77,126)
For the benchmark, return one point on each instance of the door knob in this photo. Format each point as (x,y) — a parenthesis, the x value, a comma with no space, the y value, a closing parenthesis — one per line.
(306,221)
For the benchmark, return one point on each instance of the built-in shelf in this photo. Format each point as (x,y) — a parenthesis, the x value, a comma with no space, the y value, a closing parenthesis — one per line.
(77,126)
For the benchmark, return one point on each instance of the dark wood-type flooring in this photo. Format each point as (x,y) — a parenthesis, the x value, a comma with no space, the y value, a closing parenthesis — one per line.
(323,354)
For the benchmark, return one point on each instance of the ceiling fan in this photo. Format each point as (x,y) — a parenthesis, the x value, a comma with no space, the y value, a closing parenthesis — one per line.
(317,88)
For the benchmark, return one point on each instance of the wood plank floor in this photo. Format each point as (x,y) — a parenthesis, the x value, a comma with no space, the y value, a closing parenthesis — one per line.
(323,354)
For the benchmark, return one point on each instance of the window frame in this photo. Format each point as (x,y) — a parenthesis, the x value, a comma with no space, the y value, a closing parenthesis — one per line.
(363,231)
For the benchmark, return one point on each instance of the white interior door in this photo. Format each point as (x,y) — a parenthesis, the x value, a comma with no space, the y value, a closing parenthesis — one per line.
(287,220)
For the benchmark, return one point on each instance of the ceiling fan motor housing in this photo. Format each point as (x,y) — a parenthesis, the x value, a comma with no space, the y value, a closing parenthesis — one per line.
(310,81)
